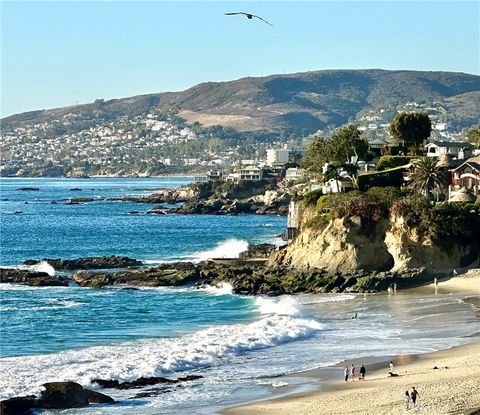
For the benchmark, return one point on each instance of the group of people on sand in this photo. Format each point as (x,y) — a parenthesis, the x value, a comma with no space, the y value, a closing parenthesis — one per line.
(408,397)
(350,372)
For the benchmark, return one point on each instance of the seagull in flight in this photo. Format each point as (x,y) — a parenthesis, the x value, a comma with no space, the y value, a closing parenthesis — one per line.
(249,16)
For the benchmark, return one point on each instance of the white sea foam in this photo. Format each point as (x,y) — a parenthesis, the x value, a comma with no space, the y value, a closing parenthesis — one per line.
(285,305)
(128,361)
(44,266)
(329,298)
(223,288)
(227,249)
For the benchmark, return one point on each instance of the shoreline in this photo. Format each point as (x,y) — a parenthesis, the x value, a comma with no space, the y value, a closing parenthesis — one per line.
(325,392)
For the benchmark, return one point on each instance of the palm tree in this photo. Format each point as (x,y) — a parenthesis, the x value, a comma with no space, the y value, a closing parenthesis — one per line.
(428,174)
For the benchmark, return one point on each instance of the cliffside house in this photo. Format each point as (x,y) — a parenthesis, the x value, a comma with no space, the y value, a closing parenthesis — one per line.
(215,176)
(460,150)
(294,173)
(251,173)
(467,176)
(341,184)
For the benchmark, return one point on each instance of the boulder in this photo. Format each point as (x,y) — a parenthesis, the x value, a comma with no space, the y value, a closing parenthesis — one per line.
(21,405)
(62,395)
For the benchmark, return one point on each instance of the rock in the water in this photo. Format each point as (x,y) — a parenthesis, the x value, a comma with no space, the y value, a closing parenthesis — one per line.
(142,382)
(79,200)
(28,189)
(173,274)
(104,262)
(21,405)
(35,279)
(62,395)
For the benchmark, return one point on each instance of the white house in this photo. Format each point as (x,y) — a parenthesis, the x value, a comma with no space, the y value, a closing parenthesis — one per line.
(342,184)
(294,173)
(251,173)
(437,148)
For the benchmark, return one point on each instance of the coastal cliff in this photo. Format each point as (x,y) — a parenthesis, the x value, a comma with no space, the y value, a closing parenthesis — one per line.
(394,241)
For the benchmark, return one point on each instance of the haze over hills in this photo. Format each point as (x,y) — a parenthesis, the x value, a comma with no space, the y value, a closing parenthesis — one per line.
(300,102)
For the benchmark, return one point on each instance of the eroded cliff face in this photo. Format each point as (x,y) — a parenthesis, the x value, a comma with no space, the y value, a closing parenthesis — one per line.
(339,247)
(344,246)
(411,250)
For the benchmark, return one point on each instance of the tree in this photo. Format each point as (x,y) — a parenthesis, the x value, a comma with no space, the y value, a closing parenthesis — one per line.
(344,143)
(411,129)
(473,135)
(428,174)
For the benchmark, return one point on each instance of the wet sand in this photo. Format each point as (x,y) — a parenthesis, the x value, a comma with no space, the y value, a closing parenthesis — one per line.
(452,388)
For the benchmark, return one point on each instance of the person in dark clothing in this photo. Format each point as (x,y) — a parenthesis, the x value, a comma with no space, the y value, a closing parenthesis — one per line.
(363,371)
(414,395)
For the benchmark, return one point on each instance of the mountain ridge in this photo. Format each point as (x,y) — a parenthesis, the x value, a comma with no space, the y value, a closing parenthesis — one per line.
(300,102)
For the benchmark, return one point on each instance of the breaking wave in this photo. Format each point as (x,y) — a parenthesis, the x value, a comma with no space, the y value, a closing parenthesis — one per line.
(227,249)
(158,357)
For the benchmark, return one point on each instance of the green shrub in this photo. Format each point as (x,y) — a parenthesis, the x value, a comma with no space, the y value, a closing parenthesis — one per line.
(390,162)
(323,203)
(311,198)
(386,178)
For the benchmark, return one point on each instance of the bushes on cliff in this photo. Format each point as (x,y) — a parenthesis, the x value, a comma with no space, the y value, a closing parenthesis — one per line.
(442,222)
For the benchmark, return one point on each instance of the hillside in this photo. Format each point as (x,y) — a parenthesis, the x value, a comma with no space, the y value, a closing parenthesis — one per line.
(300,102)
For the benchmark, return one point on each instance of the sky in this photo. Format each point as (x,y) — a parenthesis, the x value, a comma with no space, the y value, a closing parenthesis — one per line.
(61,53)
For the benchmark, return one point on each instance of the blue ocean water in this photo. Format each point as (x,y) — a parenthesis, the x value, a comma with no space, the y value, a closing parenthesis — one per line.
(46,230)
(238,344)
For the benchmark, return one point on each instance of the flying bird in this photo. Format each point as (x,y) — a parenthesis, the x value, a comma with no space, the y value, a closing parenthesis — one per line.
(249,16)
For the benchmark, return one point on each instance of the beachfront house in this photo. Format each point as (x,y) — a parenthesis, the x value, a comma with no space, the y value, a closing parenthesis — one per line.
(251,173)
(467,176)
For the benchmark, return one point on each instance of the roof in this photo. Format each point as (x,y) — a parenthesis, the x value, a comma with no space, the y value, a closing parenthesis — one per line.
(451,144)
(472,162)
(463,195)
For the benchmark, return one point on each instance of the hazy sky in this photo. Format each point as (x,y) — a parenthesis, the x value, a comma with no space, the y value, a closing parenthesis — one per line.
(62,53)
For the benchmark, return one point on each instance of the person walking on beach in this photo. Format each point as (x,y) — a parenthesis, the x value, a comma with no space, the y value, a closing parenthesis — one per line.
(363,371)
(406,398)
(414,395)
(390,367)
(346,373)
(352,371)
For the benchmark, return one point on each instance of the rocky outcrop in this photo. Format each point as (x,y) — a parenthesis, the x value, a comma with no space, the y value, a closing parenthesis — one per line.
(31,278)
(57,395)
(338,247)
(172,274)
(252,280)
(142,382)
(168,196)
(104,262)
(347,245)
(273,204)
(409,249)
(257,251)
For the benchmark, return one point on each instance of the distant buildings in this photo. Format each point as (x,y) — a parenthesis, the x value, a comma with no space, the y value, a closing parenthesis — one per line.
(277,156)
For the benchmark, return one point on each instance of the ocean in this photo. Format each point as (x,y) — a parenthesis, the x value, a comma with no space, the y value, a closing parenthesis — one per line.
(240,345)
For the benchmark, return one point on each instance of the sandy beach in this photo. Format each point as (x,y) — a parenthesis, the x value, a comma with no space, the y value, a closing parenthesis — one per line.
(452,388)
